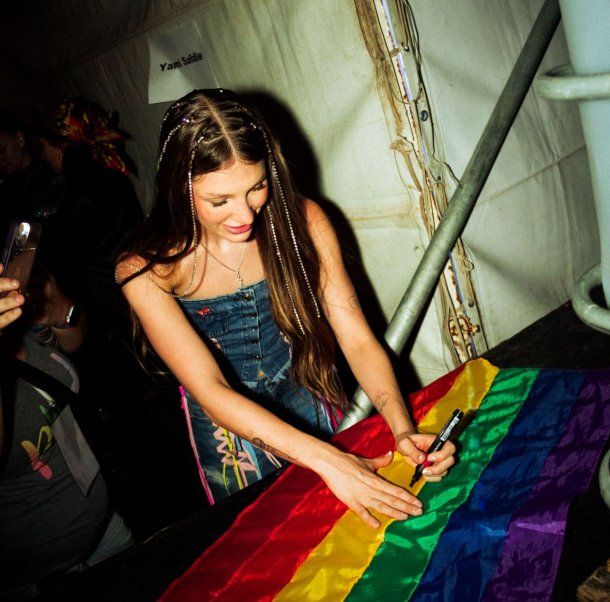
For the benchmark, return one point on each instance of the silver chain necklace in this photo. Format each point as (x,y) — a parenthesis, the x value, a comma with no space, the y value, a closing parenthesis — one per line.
(187,290)
(238,277)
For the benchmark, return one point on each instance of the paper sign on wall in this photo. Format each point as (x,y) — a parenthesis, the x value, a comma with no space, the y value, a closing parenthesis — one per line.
(178,63)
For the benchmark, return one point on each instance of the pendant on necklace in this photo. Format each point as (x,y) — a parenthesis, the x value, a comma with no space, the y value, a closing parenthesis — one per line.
(240,281)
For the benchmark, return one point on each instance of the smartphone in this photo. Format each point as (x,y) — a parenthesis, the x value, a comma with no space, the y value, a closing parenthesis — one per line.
(19,253)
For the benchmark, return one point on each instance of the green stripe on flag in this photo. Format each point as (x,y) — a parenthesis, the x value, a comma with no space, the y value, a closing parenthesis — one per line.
(400,561)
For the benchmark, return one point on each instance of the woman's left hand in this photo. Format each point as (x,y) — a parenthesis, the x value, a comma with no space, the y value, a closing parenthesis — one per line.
(413,447)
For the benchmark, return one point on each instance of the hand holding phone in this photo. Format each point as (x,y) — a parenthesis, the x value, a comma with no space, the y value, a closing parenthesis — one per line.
(10,300)
(19,253)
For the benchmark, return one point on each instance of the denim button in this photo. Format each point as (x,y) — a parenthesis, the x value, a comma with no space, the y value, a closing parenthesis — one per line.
(247,297)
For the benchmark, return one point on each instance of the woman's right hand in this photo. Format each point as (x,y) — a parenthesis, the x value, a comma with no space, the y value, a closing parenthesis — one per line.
(10,304)
(354,481)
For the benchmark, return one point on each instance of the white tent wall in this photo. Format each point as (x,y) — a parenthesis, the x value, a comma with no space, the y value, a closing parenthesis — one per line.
(310,56)
(533,230)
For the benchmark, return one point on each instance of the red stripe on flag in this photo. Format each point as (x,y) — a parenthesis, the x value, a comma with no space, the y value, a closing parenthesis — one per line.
(252,564)
(235,562)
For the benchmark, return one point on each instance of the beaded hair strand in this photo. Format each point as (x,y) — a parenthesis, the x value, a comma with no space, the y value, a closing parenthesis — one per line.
(280,188)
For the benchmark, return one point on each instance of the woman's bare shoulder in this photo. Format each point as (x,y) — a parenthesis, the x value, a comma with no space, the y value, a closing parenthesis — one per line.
(313,211)
(132,264)
(319,226)
(127,266)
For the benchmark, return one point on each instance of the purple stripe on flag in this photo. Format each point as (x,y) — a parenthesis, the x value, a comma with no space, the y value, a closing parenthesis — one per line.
(528,565)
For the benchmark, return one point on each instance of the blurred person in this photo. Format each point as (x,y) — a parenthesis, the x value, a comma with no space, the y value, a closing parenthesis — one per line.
(98,206)
(55,515)
(126,408)
(28,186)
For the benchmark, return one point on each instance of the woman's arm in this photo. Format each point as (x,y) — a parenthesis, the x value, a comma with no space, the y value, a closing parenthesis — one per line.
(364,354)
(171,335)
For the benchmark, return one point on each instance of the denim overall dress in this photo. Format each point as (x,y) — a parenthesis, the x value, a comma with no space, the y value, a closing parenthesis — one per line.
(254,356)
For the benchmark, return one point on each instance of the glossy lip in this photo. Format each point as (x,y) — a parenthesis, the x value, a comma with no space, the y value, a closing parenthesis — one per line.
(238,229)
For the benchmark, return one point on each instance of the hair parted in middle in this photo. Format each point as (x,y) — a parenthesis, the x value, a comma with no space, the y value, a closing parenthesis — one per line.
(207,130)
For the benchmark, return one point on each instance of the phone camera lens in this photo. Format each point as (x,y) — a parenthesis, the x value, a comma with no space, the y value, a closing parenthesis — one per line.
(23,233)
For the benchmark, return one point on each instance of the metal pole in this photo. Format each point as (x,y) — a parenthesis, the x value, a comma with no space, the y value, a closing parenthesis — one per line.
(462,202)
(588,81)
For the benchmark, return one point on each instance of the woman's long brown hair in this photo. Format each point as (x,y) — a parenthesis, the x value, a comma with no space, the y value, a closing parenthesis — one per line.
(228,130)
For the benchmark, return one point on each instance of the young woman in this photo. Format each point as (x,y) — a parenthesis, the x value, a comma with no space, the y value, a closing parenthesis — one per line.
(239,286)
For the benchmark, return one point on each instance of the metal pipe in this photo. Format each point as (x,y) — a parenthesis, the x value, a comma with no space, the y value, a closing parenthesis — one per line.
(584,307)
(604,478)
(588,81)
(462,202)
(561,83)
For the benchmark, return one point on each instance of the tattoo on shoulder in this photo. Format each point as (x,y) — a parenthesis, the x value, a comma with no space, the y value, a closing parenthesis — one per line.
(262,445)
(380,402)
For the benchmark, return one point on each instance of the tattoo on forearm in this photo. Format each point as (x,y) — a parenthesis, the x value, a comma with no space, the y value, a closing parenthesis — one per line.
(380,402)
(353,302)
(262,445)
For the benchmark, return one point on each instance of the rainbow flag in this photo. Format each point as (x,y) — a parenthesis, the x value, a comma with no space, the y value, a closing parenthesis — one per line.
(492,530)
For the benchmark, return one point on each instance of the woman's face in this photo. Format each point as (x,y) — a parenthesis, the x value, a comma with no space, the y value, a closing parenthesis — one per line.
(13,156)
(227,200)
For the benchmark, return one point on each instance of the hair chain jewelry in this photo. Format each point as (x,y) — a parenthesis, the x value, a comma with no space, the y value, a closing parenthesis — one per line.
(195,242)
(178,103)
(283,267)
(292,234)
(169,136)
(275,175)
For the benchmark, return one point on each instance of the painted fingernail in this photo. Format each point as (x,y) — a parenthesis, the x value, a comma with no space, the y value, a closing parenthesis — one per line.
(403,516)
(426,472)
(421,458)
(432,458)
(417,511)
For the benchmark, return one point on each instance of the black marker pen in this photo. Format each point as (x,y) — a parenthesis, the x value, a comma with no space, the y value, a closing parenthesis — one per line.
(437,444)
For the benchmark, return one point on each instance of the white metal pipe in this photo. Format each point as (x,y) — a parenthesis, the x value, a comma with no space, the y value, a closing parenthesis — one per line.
(586,25)
(587,80)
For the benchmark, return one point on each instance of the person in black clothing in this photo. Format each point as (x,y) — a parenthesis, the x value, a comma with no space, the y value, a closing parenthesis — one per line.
(97,207)
(55,515)
(97,210)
